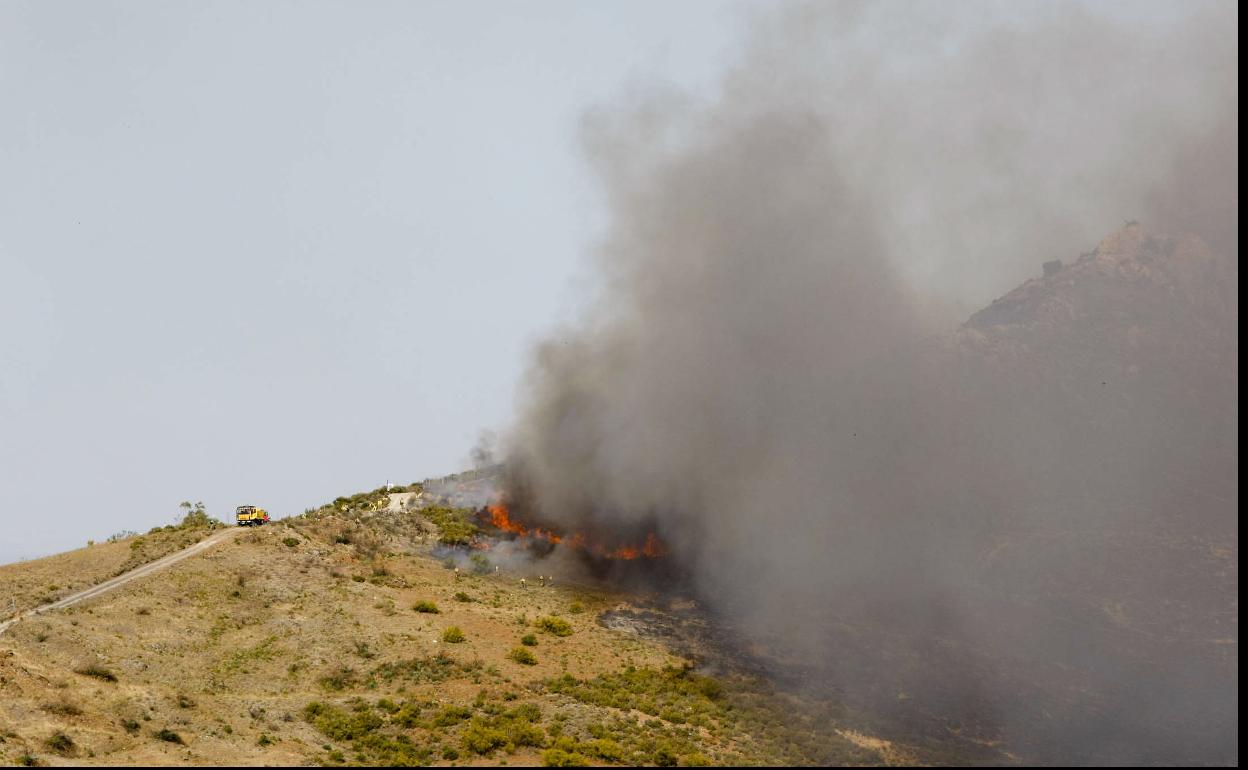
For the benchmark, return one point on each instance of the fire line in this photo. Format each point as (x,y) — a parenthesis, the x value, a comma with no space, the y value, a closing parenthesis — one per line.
(500,517)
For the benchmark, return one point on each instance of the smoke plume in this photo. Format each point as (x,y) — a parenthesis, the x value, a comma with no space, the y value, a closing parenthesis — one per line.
(767,373)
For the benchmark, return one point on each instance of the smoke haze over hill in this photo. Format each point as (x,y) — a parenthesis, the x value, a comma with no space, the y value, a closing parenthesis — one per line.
(765,374)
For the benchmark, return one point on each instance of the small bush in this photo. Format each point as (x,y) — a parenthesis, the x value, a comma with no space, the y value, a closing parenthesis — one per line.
(338,724)
(576,608)
(340,679)
(460,596)
(525,712)
(453,635)
(290,542)
(408,715)
(528,640)
(386,606)
(479,738)
(606,749)
(169,736)
(556,626)
(431,670)
(449,716)
(60,743)
(454,524)
(523,656)
(62,709)
(265,740)
(426,607)
(561,758)
(97,671)
(131,726)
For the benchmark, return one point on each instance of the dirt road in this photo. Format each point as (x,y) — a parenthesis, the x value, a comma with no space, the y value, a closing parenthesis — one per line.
(121,580)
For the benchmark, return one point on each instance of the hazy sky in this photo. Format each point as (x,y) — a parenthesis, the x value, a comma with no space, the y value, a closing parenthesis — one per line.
(275,252)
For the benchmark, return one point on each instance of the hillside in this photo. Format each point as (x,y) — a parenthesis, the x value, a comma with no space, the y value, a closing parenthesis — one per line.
(1098,511)
(314,641)
(1056,493)
(33,583)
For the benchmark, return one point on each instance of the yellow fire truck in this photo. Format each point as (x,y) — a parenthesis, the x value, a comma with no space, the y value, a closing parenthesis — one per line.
(251,516)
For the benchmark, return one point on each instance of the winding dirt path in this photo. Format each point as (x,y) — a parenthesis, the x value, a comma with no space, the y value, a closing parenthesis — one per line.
(121,580)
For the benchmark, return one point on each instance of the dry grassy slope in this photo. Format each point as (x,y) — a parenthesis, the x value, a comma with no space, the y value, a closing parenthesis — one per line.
(231,646)
(29,584)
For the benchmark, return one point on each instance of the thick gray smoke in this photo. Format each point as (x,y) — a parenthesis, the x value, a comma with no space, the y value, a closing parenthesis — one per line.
(761,375)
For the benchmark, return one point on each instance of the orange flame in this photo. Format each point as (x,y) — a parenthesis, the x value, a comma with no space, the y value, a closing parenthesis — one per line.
(500,517)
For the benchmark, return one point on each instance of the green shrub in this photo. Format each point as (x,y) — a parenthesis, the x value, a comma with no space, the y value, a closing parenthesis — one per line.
(460,596)
(60,743)
(169,736)
(449,716)
(606,749)
(576,608)
(480,564)
(479,738)
(527,712)
(338,724)
(340,679)
(431,670)
(561,758)
(528,640)
(553,625)
(408,715)
(426,607)
(130,725)
(290,542)
(520,733)
(523,656)
(453,635)
(454,524)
